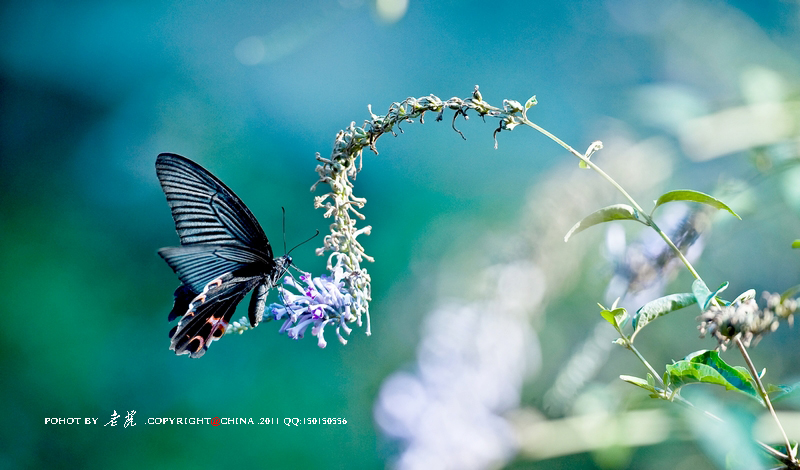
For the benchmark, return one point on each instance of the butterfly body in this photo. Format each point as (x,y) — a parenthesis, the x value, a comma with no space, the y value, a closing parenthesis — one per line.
(224,254)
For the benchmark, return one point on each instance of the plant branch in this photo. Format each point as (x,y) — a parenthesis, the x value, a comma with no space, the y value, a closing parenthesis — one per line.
(629,345)
(765,397)
(641,212)
(789,460)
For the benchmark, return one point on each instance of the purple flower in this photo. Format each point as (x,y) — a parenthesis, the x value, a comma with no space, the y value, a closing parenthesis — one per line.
(315,302)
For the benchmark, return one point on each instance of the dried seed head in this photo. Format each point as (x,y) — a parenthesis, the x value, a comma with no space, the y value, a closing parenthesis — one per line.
(741,319)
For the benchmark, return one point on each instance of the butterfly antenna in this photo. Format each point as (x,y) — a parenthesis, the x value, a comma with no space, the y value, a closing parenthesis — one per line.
(303,242)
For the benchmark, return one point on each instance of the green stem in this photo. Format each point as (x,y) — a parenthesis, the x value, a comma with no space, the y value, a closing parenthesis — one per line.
(619,188)
(774,453)
(632,348)
(677,251)
(765,397)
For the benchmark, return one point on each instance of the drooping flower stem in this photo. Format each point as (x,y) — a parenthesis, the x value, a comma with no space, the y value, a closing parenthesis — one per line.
(340,170)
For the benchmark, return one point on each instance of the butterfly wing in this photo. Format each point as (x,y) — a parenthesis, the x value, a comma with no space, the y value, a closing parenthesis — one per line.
(208,314)
(205,210)
(197,265)
(224,253)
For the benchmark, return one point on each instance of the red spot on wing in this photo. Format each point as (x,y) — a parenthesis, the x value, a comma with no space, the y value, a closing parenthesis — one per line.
(195,344)
(218,327)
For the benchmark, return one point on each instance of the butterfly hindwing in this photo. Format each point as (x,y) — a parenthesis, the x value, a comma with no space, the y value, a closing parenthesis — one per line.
(183,297)
(208,315)
(197,265)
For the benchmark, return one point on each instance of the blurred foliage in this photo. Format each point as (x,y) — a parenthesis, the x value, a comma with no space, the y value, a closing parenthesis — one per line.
(91,92)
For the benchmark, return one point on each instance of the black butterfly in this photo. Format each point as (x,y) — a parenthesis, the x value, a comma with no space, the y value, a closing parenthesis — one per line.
(224,254)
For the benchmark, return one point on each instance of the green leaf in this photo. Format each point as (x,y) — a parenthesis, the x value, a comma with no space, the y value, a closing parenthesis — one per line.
(531,102)
(746,296)
(606,214)
(704,295)
(617,317)
(594,147)
(642,383)
(694,196)
(707,367)
(609,317)
(796,243)
(662,306)
(715,293)
(701,292)
(781,391)
(790,292)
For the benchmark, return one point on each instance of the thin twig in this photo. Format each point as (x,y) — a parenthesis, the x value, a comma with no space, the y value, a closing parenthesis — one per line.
(765,397)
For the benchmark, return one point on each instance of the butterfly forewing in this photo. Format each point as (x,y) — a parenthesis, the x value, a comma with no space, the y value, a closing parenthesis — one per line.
(205,210)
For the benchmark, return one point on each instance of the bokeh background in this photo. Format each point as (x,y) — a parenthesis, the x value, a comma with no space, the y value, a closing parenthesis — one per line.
(486,349)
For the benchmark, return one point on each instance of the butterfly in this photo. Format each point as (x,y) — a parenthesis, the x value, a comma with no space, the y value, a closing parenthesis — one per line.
(224,254)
